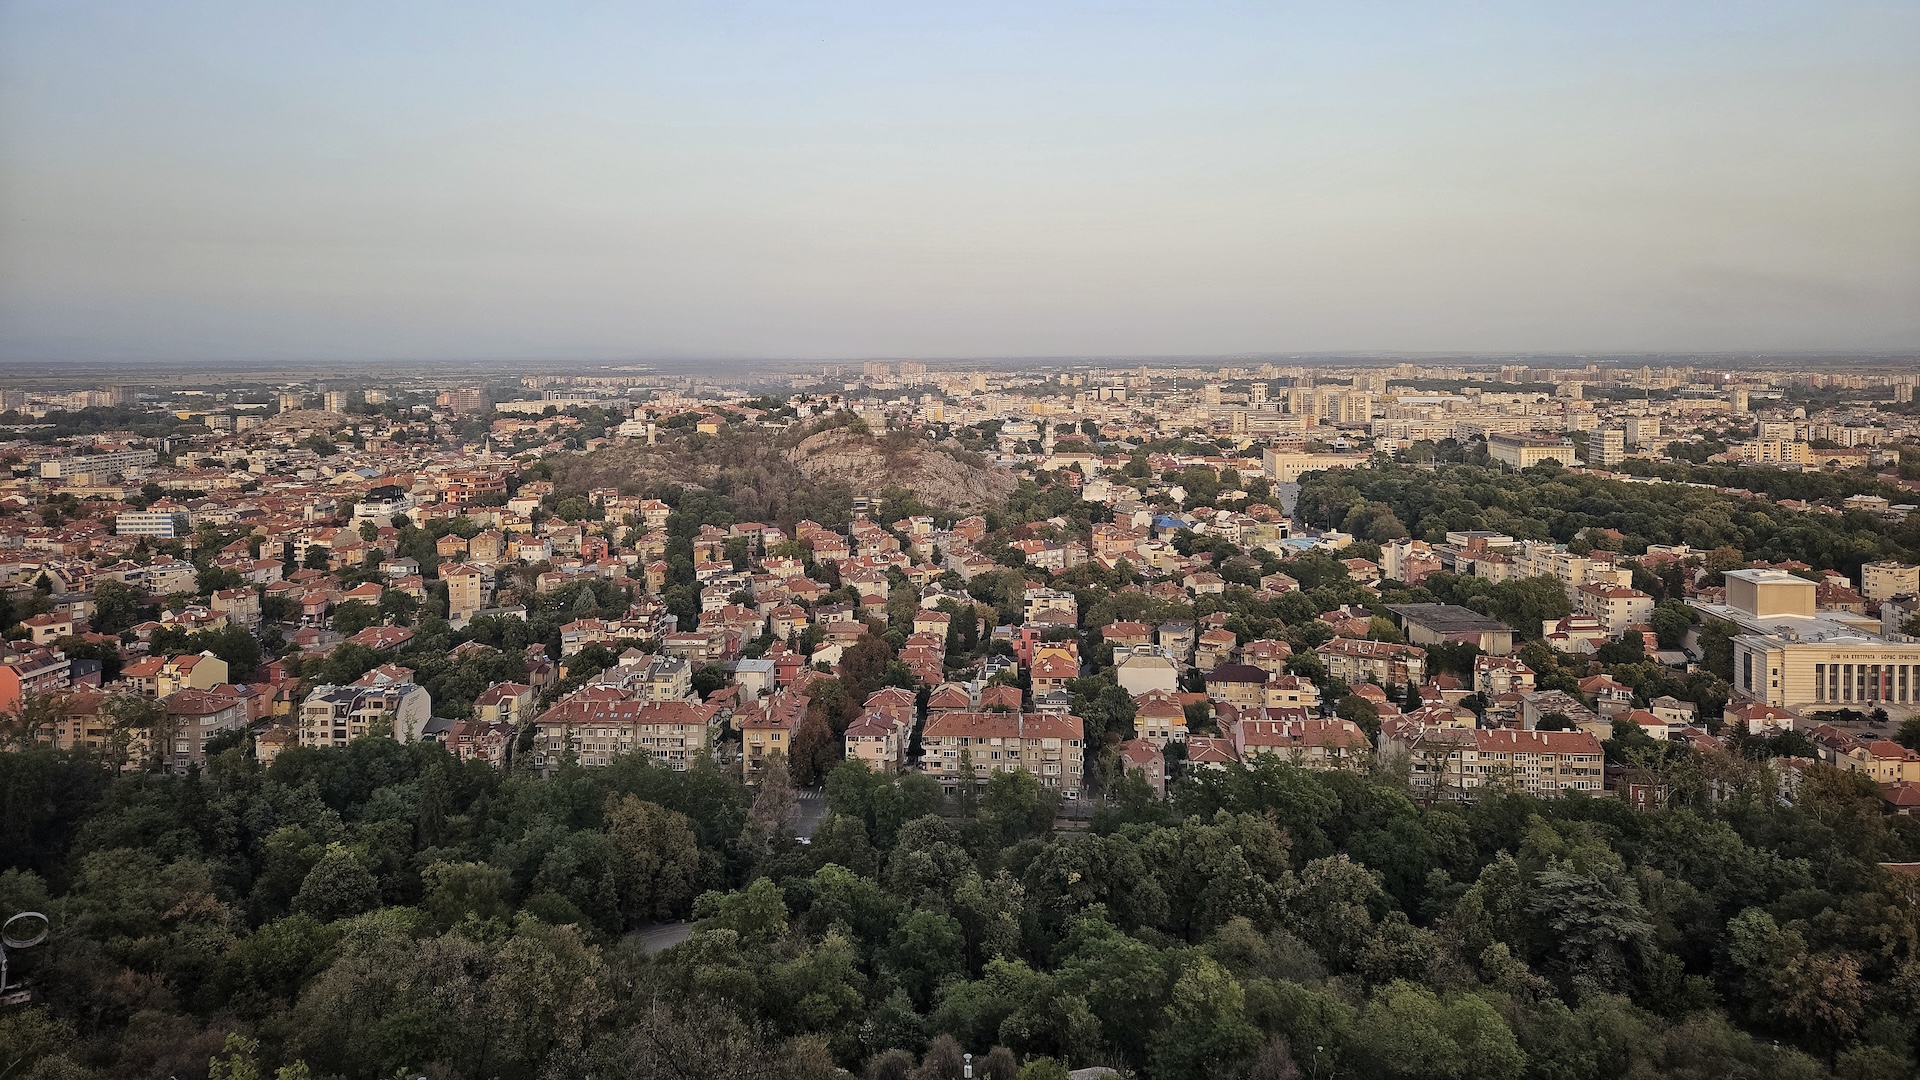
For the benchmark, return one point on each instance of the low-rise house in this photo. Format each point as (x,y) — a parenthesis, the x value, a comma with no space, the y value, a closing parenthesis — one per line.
(1144,757)
(1210,752)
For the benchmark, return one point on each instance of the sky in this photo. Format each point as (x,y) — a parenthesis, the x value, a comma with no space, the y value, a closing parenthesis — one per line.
(263,181)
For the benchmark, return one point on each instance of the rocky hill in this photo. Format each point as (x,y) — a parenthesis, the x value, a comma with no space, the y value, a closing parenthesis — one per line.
(869,464)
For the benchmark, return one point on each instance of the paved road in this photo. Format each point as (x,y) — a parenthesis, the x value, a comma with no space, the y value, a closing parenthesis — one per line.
(660,936)
(809,806)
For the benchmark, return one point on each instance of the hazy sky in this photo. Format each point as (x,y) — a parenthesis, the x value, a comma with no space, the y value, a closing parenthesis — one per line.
(419,180)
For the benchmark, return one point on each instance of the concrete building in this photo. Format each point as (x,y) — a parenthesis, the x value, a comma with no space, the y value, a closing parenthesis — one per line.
(1458,761)
(159,524)
(466,592)
(108,464)
(1886,580)
(1526,451)
(336,715)
(1047,746)
(595,732)
(1606,448)
(1439,624)
(1615,606)
(1791,655)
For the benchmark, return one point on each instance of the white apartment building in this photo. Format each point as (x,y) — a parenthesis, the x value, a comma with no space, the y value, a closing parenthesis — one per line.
(1616,606)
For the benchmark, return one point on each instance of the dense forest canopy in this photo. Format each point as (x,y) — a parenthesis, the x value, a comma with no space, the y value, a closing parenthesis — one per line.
(380,908)
(1547,503)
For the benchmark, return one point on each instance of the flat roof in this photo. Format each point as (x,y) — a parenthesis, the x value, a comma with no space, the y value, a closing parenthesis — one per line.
(1449,619)
(1822,627)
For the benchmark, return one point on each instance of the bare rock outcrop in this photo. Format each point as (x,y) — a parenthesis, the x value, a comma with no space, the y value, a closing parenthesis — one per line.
(870,464)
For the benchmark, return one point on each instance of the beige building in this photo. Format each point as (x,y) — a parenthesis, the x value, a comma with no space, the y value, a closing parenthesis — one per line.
(596,732)
(1046,745)
(1886,580)
(1616,607)
(1791,655)
(1770,452)
(1285,466)
(1455,761)
(1526,451)
(466,592)
(1884,761)
(878,740)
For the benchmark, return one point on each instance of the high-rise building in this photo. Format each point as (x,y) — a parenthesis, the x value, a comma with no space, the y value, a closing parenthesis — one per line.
(334,401)
(1606,448)
(464,401)
(1739,396)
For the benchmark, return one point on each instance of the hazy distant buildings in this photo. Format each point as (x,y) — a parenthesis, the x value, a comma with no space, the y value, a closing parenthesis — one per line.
(463,402)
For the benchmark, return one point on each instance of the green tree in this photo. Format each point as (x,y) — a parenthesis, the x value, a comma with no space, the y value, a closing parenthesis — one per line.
(339,885)
(1415,1034)
(1207,1032)
(657,861)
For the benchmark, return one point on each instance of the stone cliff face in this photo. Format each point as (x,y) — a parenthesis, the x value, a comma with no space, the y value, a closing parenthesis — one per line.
(869,465)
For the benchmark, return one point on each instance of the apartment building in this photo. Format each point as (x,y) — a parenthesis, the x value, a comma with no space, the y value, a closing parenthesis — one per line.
(336,715)
(879,740)
(1291,735)
(595,732)
(1886,580)
(1046,745)
(1616,607)
(466,592)
(1352,660)
(1455,762)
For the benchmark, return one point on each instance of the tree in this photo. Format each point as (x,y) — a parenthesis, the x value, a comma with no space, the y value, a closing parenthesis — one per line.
(1415,1034)
(1207,1030)
(771,818)
(354,616)
(1044,1068)
(1361,711)
(117,606)
(1909,733)
(657,862)
(339,885)
(895,1064)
